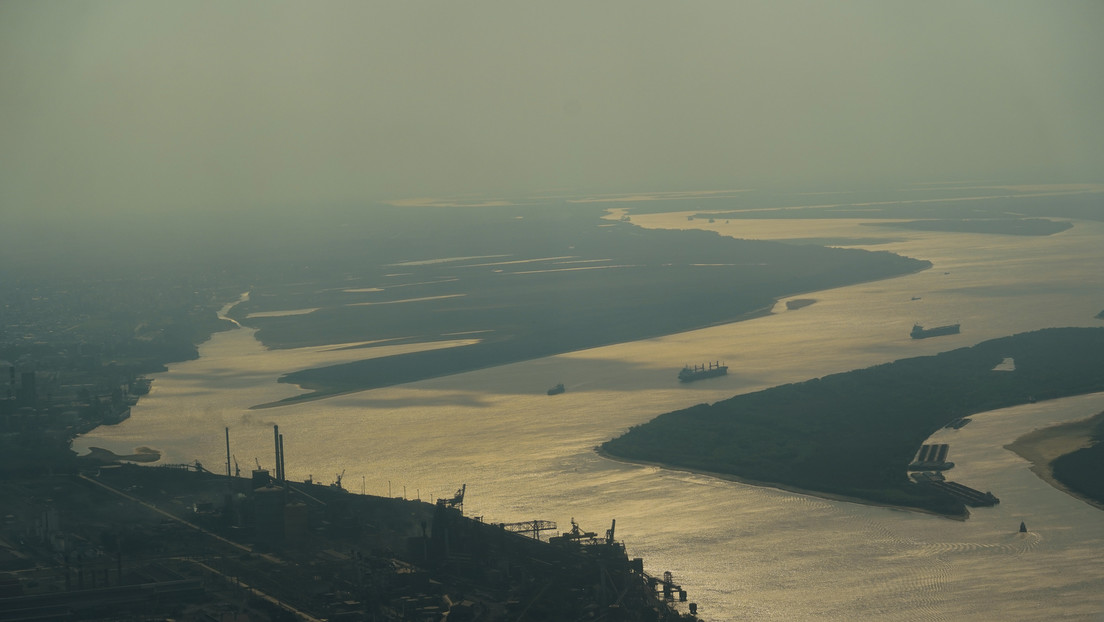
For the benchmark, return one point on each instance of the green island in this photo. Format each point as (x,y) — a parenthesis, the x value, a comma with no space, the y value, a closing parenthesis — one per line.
(853,434)
(524,283)
(1079,471)
(1068,456)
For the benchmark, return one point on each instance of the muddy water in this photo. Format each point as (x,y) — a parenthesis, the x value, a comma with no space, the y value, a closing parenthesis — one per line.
(742,552)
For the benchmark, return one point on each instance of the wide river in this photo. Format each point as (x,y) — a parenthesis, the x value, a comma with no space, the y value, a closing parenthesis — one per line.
(741,551)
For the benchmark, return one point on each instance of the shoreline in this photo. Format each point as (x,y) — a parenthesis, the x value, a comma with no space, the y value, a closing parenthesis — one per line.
(106,456)
(318,392)
(779,486)
(795,301)
(1043,446)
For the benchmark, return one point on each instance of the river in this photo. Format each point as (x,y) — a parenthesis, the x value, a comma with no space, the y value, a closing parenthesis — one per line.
(741,551)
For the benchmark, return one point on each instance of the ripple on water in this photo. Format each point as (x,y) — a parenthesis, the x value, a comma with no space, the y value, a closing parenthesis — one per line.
(741,551)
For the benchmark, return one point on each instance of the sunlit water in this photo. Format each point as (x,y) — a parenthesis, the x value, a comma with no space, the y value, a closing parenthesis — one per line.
(742,552)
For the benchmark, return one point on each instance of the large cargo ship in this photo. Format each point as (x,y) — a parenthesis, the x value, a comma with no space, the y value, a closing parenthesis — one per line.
(697,372)
(919,332)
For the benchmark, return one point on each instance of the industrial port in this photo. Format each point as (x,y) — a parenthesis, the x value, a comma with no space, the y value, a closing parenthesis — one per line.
(120,541)
(930,463)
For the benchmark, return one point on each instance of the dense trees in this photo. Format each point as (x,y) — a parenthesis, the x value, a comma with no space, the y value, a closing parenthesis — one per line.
(854,433)
(1082,471)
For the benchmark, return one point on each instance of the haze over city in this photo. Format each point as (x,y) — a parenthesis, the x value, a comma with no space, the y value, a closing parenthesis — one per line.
(799,302)
(142,107)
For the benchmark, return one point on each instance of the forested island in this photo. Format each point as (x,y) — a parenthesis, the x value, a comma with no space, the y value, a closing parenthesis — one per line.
(1068,456)
(1081,471)
(527,282)
(853,434)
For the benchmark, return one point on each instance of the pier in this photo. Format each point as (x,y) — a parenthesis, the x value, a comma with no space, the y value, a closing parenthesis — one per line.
(931,458)
(273,548)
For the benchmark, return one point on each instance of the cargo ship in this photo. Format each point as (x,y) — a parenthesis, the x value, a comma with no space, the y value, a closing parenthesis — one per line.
(697,372)
(919,332)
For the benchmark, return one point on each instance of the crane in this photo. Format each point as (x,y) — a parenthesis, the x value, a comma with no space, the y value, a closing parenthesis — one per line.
(457,501)
(530,527)
(576,534)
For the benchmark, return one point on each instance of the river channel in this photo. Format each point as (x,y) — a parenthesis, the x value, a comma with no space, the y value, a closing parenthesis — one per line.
(741,551)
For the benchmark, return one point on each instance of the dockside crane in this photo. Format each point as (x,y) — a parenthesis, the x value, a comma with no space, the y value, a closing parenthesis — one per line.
(533,528)
(457,500)
(576,534)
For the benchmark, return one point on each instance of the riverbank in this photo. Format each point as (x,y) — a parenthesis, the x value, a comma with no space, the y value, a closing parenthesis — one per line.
(1042,447)
(852,433)
(533,283)
(106,456)
(334,380)
(783,487)
(428,557)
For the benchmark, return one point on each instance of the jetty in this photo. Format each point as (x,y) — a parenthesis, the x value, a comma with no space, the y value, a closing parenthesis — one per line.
(931,457)
(971,497)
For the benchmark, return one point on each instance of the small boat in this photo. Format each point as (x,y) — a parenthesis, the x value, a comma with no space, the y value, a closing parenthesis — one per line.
(1023,527)
(556,390)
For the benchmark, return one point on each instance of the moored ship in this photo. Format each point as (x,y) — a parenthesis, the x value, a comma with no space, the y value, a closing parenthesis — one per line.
(697,372)
(919,332)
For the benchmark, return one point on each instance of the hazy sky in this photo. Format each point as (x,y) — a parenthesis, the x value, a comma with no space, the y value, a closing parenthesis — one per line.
(148,105)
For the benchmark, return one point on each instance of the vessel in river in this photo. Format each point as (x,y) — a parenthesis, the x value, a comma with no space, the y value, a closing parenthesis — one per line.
(919,332)
(697,372)
(556,390)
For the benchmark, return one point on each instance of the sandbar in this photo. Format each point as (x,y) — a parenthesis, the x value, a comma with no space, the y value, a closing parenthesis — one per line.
(141,454)
(798,303)
(1041,447)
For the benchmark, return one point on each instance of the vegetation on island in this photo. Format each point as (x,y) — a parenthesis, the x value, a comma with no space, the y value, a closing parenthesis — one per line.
(854,433)
(1082,471)
(529,282)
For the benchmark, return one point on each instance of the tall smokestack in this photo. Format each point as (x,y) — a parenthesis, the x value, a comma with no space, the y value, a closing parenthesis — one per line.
(228,453)
(276,441)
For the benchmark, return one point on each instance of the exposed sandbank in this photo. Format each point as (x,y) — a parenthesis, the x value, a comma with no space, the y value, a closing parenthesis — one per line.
(798,303)
(141,454)
(1042,447)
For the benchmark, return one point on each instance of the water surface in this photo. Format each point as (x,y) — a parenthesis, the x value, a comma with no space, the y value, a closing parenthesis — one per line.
(742,552)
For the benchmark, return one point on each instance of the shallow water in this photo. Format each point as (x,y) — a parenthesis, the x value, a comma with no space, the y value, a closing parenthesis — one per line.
(742,552)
